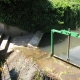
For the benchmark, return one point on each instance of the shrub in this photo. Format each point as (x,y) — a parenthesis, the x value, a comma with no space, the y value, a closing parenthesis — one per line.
(33,15)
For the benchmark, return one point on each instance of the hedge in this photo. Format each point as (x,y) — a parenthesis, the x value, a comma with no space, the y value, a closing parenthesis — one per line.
(43,15)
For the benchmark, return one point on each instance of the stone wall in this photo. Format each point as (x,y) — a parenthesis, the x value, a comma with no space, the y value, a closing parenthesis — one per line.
(12,31)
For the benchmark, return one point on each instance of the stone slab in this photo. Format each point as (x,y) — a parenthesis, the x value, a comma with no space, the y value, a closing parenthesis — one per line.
(35,40)
(1,36)
(4,43)
(19,68)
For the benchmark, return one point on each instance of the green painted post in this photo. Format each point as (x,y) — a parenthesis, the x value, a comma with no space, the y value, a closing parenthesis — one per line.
(52,45)
(64,32)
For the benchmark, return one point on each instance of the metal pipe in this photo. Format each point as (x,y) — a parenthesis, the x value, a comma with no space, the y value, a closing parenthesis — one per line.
(52,44)
(68,47)
(66,61)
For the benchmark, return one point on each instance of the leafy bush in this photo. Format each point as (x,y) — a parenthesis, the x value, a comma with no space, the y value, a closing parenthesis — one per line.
(33,15)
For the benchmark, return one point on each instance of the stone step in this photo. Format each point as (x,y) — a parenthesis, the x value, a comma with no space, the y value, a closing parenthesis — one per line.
(35,40)
(1,37)
(4,43)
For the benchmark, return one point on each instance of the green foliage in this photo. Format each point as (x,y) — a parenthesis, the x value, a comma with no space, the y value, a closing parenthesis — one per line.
(33,15)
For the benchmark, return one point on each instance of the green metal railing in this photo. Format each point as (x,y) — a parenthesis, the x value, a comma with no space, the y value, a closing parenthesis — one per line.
(64,32)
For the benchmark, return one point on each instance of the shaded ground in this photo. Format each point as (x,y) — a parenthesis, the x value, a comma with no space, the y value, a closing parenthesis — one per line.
(19,42)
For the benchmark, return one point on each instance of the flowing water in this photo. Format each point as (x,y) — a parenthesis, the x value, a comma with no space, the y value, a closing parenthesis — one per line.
(61,46)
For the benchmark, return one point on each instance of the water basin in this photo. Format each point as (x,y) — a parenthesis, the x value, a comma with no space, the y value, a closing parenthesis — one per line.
(61,46)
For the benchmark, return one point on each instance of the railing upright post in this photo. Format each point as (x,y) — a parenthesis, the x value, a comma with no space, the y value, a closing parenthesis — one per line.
(68,47)
(52,43)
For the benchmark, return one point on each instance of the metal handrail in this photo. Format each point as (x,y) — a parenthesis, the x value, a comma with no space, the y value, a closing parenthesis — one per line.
(64,32)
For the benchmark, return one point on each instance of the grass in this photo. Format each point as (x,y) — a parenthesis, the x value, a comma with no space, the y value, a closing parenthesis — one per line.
(37,76)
